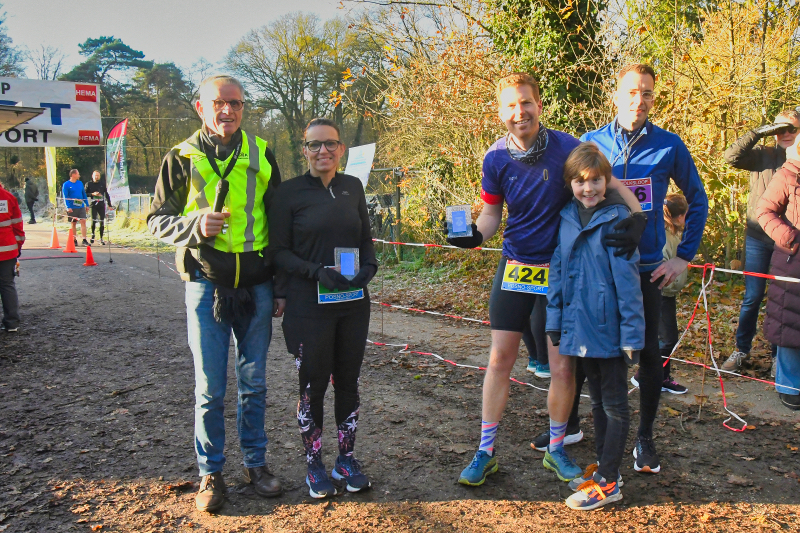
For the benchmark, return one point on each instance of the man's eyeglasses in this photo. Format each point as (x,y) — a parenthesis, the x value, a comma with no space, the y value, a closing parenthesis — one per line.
(235,105)
(647,96)
(316,146)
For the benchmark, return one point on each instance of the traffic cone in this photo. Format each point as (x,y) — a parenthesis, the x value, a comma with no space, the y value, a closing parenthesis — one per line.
(70,248)
(54,240)
(89,258)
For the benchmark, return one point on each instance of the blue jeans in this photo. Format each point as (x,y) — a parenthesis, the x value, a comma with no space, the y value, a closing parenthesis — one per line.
(757,258)
(209,341)
(787,371)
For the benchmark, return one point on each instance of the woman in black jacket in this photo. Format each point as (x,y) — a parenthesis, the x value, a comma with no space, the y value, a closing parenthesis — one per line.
(327,315)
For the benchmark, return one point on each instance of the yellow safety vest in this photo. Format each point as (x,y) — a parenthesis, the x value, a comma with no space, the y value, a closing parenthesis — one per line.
(248,230)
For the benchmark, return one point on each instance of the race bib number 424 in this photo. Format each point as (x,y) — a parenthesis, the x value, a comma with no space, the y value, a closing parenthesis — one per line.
(643,189)
(519,277)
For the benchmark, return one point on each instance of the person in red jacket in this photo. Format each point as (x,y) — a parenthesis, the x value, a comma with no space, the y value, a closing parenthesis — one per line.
(12,236)
(778,213)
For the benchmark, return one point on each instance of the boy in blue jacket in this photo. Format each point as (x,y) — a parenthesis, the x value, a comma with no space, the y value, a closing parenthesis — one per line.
(595,312)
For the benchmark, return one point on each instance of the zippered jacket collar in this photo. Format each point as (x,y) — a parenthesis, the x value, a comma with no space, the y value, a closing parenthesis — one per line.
(314,180)
(570,214)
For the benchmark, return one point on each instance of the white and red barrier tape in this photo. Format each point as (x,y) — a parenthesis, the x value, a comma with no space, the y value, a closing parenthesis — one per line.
(746,273)
(415,310)
(422,245)
(727,270)
(405,348)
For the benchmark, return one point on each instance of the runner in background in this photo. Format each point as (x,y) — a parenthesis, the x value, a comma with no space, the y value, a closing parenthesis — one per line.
(98,194)
(311,217)
(31,197)
(762,162)
(538,362)
(646,157)
(523,169)
(75,199)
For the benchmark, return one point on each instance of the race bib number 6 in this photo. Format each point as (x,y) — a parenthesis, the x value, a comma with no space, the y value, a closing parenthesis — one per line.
(643,189)
(519,277)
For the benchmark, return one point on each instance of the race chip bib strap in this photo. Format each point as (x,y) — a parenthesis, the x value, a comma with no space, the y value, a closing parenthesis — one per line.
(643,189)
(519,277)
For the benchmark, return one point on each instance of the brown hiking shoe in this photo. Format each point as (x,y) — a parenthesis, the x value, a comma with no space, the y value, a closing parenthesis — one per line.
(734,362)
(264,483)
(211,495)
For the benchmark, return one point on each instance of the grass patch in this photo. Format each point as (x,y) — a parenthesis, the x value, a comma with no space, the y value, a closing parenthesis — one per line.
(126,231)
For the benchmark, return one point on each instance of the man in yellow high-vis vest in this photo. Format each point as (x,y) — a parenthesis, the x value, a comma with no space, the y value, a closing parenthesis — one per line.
(222,257)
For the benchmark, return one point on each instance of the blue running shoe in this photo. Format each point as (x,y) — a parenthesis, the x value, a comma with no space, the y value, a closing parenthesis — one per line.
(319,486)
(532,366)
(561,463)
(587,475)
(542,371)
(481,466)
(349,469)
(593,494)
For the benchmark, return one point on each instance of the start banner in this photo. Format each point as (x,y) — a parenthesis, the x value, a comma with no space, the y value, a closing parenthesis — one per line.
(71,117)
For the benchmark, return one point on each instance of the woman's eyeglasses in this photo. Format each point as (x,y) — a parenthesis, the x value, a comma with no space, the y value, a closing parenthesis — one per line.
(316,146)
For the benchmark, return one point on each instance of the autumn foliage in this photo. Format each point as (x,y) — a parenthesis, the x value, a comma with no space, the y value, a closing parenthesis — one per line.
(722,69)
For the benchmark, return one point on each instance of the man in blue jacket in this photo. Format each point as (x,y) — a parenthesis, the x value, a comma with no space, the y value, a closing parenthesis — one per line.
(76,201)
(645,157)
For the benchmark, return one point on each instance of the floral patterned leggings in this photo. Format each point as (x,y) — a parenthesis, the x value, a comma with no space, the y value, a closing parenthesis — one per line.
(328,349)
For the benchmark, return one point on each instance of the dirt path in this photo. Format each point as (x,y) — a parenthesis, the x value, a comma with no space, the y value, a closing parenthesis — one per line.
(96,432)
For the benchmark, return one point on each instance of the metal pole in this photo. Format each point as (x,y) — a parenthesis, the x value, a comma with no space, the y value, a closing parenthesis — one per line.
(397,236)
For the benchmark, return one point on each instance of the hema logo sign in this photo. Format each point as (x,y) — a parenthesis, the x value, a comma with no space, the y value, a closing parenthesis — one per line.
(85,93)
(88,137)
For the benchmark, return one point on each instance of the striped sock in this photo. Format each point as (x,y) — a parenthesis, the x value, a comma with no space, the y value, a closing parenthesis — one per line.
(488,434)
(557,432)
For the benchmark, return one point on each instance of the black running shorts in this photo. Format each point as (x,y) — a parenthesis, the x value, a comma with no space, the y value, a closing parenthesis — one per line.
(509,310)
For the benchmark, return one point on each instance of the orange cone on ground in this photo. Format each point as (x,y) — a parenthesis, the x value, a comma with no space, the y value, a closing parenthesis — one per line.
(54,240)
(89,258)
(70,248)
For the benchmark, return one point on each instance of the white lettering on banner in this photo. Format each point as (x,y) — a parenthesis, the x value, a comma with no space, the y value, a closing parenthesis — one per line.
(3,206)
(71,117)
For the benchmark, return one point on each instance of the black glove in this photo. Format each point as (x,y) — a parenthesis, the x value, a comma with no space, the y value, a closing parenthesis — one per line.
(773,129)
(555,337)
(627,241)
(467,242)
(331,279)
(364,276)
(632,356)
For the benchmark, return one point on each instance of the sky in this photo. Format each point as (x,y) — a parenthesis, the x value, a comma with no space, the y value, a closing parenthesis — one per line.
(165,30)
